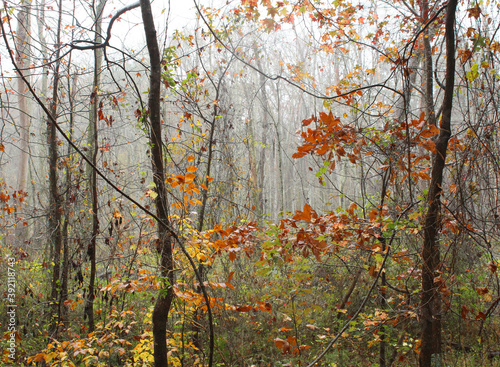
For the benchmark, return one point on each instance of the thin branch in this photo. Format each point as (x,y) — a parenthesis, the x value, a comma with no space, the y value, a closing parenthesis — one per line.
(94,45)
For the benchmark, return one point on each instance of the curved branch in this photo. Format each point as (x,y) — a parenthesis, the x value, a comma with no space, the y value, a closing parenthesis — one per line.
(94,45)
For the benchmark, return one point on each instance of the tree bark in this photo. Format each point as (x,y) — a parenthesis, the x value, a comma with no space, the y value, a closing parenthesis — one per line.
(63,311)
(55,210)
(429,79)
(164,247)
(430,346)
(93,144)
(23,60)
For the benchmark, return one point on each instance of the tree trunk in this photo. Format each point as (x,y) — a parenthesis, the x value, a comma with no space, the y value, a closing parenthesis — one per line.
(55,210)
(430,346)
(23,60)
(265,127)
(429,79)
(164,246)
(93,143)
(69,192)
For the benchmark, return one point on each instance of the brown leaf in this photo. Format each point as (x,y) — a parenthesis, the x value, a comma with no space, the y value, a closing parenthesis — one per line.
(464,311)
(244,308)
(474,12)
(482,290)
(481,315)
(492,266)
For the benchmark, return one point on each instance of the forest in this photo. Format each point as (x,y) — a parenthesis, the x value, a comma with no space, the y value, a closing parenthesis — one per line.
(250,183)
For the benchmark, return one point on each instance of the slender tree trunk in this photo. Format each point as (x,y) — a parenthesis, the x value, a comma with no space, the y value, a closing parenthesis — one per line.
(265,128)
(281,187)
(254,184)
(201,218)
(69,192)
(55,210)
(93,143)
(430,346)
(164,246)
(23,59)
(429,79)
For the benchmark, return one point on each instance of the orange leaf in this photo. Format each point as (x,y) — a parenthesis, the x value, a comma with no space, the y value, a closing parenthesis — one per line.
(190,177)
(190,158)
(244,308)
(429,145)
(192,169)
(285,328)
(352,208)
(39,357)
(280,343)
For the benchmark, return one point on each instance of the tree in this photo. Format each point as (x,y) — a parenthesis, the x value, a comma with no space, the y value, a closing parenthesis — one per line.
(164,244)
(91,173)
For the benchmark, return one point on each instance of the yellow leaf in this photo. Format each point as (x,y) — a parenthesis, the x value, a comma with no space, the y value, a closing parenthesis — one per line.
(152,194)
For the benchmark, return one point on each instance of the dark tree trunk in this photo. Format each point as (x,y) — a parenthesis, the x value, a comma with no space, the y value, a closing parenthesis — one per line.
(93,138)
(63,311)
(164,246)
(55,210)
(430,347)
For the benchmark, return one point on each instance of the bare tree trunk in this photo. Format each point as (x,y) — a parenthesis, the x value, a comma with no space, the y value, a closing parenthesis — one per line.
(93,143)
(55,210)
(69,192)
(281,187)
(164,247)
(23,59)
(265,128)
(429,79)
(254,184)
(430,346)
